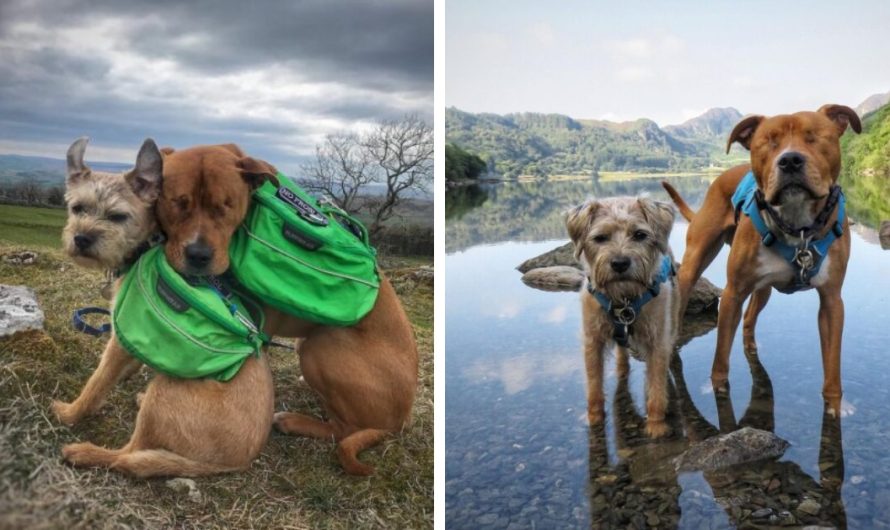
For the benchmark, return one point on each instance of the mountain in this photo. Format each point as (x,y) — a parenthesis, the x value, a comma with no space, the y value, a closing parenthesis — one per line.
(553,144)
(872,103)
(865,173)
(45,171)
(714,124)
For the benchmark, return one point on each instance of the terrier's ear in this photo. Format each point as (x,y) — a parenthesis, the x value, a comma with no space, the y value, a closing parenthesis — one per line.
(660,216)
(145,179)
(578,222)
(842,117)
(743,132)
(77,170)
(255,172)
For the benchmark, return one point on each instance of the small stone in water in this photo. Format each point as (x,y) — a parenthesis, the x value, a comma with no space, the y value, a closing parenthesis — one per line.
(857,479)
(809,506)
(762,513)
(520,467)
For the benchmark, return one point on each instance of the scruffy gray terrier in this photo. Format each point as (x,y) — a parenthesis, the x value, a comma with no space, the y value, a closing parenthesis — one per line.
(110,215)
(111,220)
(630,298)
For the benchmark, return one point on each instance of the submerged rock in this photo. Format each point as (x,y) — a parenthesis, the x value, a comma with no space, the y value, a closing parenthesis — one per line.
(738,447)
(556,278)
(884,235)
(19,310)
(564,255)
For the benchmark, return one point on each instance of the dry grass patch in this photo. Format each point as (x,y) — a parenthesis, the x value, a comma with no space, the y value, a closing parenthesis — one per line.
(295,483)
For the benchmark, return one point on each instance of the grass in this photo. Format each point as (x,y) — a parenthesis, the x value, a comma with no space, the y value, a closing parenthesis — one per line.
(27,225)
(295,482)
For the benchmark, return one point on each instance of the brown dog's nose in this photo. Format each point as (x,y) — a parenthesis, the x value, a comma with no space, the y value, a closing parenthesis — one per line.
(620,264)
(83,241)
(791,162)
(198,255)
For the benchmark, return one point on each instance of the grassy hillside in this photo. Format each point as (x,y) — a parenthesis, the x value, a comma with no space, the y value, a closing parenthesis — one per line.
(294,483)
(865,174)
(553,144)
(27,225)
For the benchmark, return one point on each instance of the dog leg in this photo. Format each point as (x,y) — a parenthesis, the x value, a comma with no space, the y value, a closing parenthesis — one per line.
(831,325)
(593,360)
(703,243)
(656,393)
(141,463)
(727,324)
(302,425)
(622,364)
(755,306)
(349,448)
(116,364)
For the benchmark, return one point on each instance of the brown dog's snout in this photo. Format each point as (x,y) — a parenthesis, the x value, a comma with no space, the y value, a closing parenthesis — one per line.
(198,255)
(791,162)
(620,264)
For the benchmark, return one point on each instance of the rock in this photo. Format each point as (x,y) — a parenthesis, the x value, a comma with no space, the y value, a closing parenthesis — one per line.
(741,446)
(185,485)
(424,274)
(884,235)
(24,257)
(19,310)
(809,507)
(762,513)
(556,278)
(564,255)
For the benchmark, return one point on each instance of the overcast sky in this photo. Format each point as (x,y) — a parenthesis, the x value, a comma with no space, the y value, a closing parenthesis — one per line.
(273,76)
(667,61)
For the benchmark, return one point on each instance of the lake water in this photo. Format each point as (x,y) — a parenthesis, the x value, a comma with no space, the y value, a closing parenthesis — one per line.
(519,451)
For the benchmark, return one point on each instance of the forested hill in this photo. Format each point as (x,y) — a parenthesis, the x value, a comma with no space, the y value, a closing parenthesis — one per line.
(865,173)
(553,144)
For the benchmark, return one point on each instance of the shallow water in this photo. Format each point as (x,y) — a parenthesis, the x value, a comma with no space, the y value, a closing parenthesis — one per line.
(519,451)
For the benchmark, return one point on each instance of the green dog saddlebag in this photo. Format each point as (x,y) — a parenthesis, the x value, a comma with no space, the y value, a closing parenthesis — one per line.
(179,329)
(305,258)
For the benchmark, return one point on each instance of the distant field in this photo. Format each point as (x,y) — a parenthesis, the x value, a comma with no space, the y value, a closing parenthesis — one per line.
(28,225)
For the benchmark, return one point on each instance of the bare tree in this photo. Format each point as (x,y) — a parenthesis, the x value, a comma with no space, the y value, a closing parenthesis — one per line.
(396,155)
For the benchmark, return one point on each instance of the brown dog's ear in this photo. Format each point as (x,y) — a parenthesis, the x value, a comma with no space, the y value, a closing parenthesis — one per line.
(146,177)
(842,116)
(256,172)
(167,151)
(743,132)
(77,170)
(578,221)
(660,216)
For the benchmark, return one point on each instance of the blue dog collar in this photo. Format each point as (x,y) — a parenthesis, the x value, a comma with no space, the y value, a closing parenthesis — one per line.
(79,324)
(806,259)
(624,315)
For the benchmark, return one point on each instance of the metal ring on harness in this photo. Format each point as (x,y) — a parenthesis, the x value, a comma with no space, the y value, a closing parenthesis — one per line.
(80,324)
(624,315)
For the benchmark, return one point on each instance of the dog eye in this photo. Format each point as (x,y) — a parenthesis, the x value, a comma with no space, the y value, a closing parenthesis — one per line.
(117,217)
(600,238)
(640,235)
(77,208)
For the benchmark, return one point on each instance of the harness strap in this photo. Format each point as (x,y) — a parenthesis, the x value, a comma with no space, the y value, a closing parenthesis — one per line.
(624,314)
(807,258)
(80,324)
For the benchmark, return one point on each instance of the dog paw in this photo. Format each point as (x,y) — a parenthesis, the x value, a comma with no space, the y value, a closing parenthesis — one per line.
(74,453)
(841,409)
(595,415)
(656,428)
(64,412)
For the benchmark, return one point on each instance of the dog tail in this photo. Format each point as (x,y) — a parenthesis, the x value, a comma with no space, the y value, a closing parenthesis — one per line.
(684,208)
(141,463)
(349,448)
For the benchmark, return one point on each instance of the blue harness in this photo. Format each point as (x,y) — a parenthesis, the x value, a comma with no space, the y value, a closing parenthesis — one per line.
(806,259)
(624,315)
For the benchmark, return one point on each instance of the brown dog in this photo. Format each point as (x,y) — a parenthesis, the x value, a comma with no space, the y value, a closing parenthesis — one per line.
(795,160)
(366,375)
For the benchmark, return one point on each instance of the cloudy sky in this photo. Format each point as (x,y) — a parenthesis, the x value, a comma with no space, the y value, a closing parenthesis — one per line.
(272,76)
(667,61)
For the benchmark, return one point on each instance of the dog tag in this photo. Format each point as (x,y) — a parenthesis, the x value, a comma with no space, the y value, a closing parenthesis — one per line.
(303,208)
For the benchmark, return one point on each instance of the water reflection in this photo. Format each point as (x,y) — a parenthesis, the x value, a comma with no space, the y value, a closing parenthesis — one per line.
(643,488)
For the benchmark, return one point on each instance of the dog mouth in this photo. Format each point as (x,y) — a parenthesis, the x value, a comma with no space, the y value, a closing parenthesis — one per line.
(794,190)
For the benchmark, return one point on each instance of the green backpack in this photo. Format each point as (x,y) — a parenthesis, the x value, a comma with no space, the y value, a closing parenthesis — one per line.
(183,330)
(304,257)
